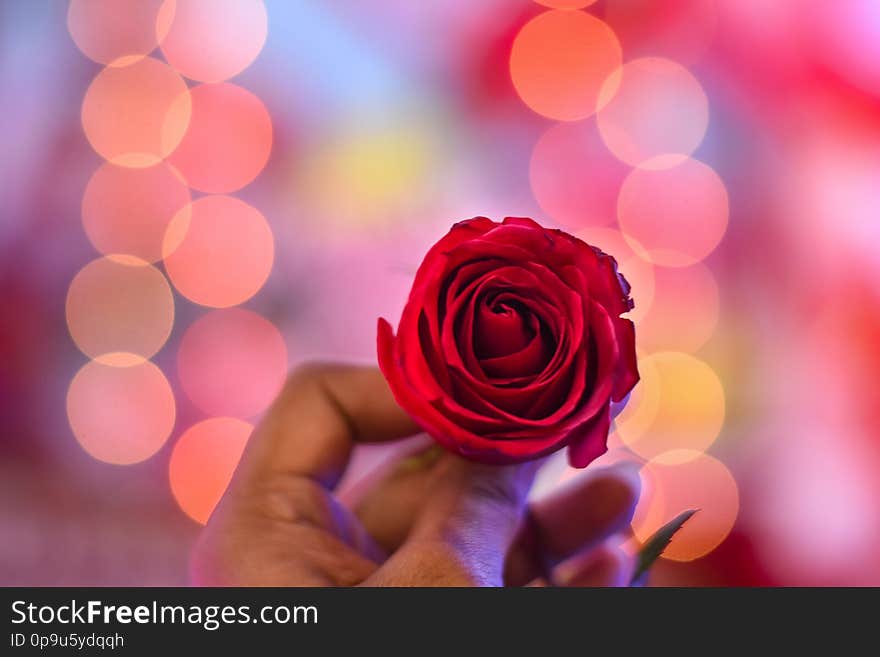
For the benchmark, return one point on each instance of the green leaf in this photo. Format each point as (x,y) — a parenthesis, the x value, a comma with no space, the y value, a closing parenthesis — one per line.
(654,546)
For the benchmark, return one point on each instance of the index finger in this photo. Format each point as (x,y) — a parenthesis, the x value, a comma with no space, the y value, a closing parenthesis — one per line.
(322,412)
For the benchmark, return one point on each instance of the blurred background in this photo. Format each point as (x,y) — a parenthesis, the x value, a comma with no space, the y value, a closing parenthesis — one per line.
(197,195)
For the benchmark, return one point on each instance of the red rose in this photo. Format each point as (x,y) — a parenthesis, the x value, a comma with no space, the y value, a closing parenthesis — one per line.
(511,344)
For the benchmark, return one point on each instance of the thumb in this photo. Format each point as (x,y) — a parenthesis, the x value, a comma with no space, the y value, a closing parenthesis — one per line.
(466,526)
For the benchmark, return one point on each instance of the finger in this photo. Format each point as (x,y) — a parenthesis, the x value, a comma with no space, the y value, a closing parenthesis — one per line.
(316,420)
(606,565)
(277,521)
(586,511)
(389,499)
(579,515)
(467,522)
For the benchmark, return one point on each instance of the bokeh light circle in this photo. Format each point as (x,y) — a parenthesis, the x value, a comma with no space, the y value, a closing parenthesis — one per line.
(203,461)
(651,107)
(559,60)
(678,404)
(228,139)
(119,308)
(573,176)
(126,210)
(385,164)
(676,215)
(232,362)
(640,409)
(685,309)
(136,115)
(678,480)
(639,273)
(213,40)
(218,251)
(120,415)
(117,32)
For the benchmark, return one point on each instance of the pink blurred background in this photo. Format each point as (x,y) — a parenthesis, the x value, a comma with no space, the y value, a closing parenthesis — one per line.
(199,194)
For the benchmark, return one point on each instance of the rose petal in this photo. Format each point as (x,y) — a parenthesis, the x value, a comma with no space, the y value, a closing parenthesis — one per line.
(454,437)
(457,340)
(460,232)
(522,221)
(501,328)
(626,375)
(563,393)
(606,352)
(608,289)
(529,360)
(512,293)
(589,441)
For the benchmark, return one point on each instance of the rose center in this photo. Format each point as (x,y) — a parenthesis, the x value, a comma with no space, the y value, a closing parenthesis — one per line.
(502,328)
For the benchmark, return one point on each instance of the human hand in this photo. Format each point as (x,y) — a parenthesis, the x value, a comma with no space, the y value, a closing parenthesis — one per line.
(428,519)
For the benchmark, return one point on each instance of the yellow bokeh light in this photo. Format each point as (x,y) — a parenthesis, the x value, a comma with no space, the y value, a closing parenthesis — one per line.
(679,480)
(678,404)
(119,308)
(121,415)
(368,175)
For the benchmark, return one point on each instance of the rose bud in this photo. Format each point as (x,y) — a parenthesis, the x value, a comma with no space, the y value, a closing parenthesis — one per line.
(511,345)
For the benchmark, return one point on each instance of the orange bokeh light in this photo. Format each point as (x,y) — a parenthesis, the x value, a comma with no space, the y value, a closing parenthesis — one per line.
(228,140)
(119,310)
(117,32)
(127,210)
(676,215)
(136,115)
(638,273)
(559,60)
(679,480)
(203,461)
(213,40)
(642,406)
(120,415)
(685,311)
(651,107)
(232,362)
(574,178)
(678,404)
(219,251)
